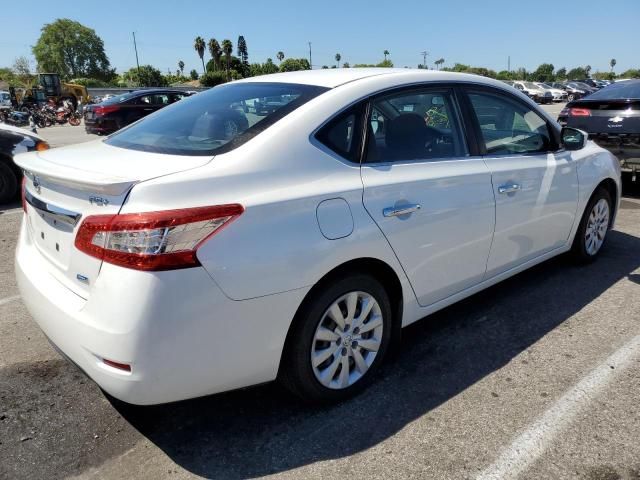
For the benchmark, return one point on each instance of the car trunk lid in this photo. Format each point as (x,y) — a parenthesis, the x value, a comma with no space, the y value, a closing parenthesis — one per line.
(611,117)
(63,186)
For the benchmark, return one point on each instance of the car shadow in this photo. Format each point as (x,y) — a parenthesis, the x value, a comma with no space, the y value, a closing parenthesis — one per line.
(9,206)
(264,430)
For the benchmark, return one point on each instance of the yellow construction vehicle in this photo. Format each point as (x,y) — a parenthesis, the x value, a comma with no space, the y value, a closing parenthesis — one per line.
(53,88)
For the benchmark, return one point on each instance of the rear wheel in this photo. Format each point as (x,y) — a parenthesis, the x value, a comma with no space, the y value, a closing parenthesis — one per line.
(593,228)
(8,183)
(338,340)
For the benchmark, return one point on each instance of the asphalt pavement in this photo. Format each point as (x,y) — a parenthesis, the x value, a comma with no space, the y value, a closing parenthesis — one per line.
(534,378)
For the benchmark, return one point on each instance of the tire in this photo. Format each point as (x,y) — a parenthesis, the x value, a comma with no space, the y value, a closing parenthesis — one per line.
(8,183)
(593,228)
(74,121)
(315,318)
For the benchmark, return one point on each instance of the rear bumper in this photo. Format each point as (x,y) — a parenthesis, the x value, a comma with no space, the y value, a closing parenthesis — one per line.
(181,335)
(625,147)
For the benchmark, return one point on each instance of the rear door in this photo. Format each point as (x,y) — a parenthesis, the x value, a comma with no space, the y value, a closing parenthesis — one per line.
(535,184)
(432,199)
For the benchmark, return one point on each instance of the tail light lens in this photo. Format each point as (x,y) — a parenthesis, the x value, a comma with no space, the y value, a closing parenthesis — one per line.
(580,112)
(103,110)
(153,241)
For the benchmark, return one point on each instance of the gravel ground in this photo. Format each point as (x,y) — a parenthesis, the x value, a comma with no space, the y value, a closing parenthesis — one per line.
(481,388)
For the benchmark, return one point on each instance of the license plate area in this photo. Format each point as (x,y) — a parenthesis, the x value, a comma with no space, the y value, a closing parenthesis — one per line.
(54,239)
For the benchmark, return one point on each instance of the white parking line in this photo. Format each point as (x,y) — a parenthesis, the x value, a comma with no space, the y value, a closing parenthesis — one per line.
(532,443)
(4,301)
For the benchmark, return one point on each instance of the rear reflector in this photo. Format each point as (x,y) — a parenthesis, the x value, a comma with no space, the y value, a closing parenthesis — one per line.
(580,112)
(120,366)
(153,241)
(23,192)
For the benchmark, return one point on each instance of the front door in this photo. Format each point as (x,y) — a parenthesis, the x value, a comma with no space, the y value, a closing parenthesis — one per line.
(535,184)
(433,202)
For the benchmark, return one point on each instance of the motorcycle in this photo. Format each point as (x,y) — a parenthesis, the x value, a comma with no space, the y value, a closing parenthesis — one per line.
(15,118)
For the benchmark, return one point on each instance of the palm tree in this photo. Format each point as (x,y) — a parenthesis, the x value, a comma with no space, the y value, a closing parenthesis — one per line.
(215,51)
(227,49)
(587,69)
(199,46)
(439,62)
(612,62)
(280,56)
(386,53)
(181,67)
(338,57)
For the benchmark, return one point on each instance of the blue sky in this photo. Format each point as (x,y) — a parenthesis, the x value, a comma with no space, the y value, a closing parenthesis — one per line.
(481,33)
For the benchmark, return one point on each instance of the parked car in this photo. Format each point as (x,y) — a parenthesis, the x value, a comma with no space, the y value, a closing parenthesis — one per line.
(588,89)
(533,91)
(557,94)
(611,118)
(592,83)
(119,111)
(188,259)
(573,93)
(14,140)
(5,100)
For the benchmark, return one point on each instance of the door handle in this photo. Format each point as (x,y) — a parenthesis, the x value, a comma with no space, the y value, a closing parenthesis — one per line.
(398,211)
(508,188)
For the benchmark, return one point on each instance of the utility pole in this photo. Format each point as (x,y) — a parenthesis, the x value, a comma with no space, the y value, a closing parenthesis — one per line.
(310,63)
(424,59)
(509,63)
(135,47)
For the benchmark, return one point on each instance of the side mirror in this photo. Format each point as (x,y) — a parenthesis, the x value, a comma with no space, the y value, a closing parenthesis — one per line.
(573,139)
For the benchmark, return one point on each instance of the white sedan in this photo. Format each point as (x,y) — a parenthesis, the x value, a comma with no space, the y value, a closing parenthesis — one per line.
(207,248)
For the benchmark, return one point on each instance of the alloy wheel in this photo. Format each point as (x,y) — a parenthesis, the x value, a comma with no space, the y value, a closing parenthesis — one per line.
(347,340)
(597,227)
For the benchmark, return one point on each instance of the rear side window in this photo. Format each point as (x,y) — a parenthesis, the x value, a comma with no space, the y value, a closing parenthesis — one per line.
(342,134)
(508,126)
(215,121)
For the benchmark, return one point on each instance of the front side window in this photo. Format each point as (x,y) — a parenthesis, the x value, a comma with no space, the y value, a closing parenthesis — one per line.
(215,121)
(413,126)
(508,126)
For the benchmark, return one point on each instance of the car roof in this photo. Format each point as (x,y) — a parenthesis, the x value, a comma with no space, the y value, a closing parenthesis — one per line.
(21,131)
(155,90)
(334,77)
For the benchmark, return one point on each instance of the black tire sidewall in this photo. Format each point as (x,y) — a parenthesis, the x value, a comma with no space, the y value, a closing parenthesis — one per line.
(579,249)
(297,371)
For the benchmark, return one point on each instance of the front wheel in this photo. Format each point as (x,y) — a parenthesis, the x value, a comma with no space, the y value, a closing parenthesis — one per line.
(338,340)
(593,228)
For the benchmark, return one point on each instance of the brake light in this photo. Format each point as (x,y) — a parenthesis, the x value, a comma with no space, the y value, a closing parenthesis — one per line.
(580,112)
(24,193)
(104,109)
(153,241)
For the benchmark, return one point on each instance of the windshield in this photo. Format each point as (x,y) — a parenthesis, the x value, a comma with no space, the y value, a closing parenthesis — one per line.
(619,90)
(531,85)
(215,121)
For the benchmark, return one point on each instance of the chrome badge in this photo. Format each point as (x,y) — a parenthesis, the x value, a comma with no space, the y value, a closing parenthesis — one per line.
(98,201)
(616,119)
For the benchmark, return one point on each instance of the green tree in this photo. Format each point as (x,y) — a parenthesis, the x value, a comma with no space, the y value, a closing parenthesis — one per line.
(227,50)
(612,63)
(216,54)
(181,67)
(293,64)
(243,54)
(22,70)
(561,74)
(198,45)
(211,79)
(72,50)
(346,65)
(504,75)
(544,73)
(234,64)
(385,63)
(280,56)
(269,67)
(193,74)
(148,77)
(577,73)
(439,62)
(386,54)
(631,73)
(338,57)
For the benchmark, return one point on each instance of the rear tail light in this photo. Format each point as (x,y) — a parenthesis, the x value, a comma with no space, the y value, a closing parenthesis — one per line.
(580,112)
(153,241)
(103,110)
(120,366)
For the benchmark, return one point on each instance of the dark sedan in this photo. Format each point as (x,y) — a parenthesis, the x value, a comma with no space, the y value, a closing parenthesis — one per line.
(611,116)
(121,110)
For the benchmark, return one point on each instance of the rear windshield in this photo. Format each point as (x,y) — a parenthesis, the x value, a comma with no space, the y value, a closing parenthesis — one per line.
(215,121)
(120,98)
(618,91)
